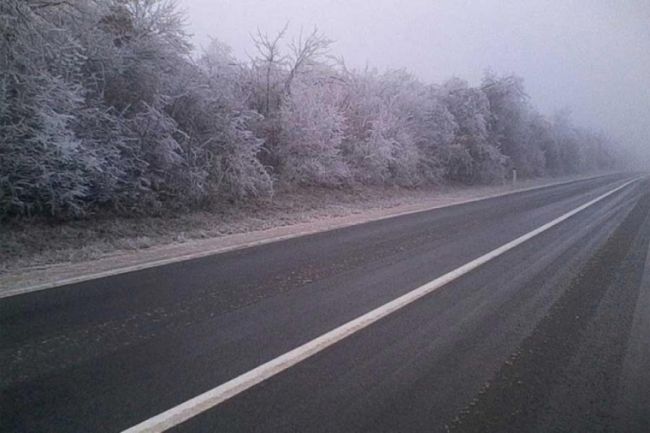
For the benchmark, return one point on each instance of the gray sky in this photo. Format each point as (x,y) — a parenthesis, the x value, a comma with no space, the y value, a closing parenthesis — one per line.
(592,56)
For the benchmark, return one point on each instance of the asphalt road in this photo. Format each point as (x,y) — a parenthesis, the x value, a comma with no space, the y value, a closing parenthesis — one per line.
(550,336)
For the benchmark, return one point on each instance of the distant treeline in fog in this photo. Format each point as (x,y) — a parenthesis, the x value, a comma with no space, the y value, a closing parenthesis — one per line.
(105,107)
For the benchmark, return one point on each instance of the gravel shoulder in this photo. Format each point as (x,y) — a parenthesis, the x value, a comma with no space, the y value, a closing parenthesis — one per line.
(39,255)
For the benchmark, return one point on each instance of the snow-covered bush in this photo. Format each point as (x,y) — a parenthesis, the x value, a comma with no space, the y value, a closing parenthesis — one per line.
(103,107)
(312,132)
(472,158)
(381,137)
(43,166)
(511,124)
(239,171)
(435,128)
(221,147)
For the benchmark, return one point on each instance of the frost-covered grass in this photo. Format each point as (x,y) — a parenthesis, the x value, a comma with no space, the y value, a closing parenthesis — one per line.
(34,244)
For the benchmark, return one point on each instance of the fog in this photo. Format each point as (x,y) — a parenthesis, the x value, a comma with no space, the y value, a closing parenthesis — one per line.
(592,57)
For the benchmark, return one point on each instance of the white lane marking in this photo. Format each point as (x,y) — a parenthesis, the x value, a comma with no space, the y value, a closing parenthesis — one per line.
(225,391)
(225,249)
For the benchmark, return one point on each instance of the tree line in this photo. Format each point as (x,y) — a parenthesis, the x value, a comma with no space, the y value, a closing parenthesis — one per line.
(104,107)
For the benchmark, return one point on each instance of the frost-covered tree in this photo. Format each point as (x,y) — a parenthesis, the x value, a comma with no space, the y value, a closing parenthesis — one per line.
(269,79)
(542,137)
(312,125)
(568,140)
(434,129)
(382,131)
(510,123)
(105,107)
(43,166)
(472,158)
(212,112)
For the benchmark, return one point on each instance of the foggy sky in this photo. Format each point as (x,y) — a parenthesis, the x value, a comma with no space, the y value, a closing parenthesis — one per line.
(592,56)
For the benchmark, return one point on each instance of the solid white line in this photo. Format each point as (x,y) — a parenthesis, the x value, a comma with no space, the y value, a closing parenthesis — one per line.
(221,393)
(221,250)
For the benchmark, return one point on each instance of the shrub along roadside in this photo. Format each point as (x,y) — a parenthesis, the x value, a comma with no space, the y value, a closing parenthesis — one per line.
(104,109)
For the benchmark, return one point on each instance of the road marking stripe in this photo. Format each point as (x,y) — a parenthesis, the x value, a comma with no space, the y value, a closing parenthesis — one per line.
(220,250)
(225,391)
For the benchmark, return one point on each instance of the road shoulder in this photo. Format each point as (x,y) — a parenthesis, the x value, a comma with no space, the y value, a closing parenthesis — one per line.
(23,280)
(634,388)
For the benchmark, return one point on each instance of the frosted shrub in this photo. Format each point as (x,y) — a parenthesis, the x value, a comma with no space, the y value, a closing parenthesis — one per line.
(43,166)
(381,142)
(312,132)
(240,172)
(103,107)
(473,158)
